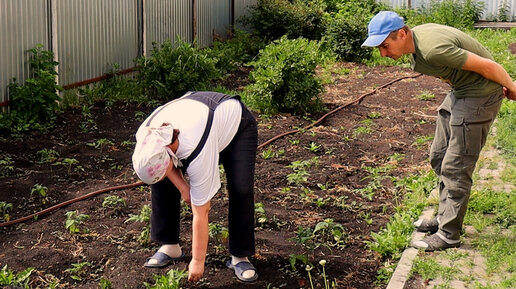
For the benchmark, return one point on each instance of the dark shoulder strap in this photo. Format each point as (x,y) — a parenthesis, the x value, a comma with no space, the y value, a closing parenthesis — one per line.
(212,100)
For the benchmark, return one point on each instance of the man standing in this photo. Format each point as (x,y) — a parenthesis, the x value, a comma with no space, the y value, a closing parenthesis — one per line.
(464,118)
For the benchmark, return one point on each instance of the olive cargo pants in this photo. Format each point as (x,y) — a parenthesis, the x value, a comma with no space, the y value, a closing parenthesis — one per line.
(461,131)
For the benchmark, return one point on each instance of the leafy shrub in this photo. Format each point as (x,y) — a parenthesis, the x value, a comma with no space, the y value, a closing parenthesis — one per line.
(461,14)
(34,104)
(234,52)
(346,30)
(174,69)
(284,77)
(8,277)
(271,19)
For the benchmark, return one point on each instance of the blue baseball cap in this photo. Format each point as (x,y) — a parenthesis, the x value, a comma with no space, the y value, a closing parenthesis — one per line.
(380,26)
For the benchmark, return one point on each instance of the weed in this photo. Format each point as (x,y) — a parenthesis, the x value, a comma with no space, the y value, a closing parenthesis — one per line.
(101,143)
(8,277)
(74,221)
(361,130)
(4,209)
(41,191)
(170,281)
(425,95)
(6,165)
(259,211)
(78,270)
(313,147)
(104,283)
(293,142)
(143,217)
(423,140)
(88,124)
(69,163)
(47,155)
(270,153)
(330,233)
(139,116)
(113,202)
(374,115)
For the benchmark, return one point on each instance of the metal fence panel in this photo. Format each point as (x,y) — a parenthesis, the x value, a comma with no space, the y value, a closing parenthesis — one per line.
(213,20)
(23,24)
(241,9)
(167,20)
(94,35)
(491,8)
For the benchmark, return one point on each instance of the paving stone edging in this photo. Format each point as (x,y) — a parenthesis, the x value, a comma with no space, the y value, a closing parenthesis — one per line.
(402,272)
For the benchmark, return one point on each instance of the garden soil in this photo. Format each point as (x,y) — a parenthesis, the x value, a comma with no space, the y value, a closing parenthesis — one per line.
(389,128)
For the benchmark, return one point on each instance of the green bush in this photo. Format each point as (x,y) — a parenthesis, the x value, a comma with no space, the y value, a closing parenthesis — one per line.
(461,14)
(234,52)
(172,70)
(272,19)
(345,36)
(284,77)
(34,104)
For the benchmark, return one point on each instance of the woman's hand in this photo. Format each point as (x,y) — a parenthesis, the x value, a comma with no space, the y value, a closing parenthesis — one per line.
(195,270)
(175,175)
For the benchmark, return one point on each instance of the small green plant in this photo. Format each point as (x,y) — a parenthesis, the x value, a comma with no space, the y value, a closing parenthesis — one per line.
(374,115)
(425,95)
(139,116)
(78,270)
(101,143)
(74,222)
(300,174)
(4,209)
(104,283)
(259,211)
(88,124)
(6,165)
(113,202)
(293,142)
(69,163)
(143,217)
(8,277)
(423,140)
(218,232)
(170,281)
(330,233)
(41,192)
(47,156)
(313,147)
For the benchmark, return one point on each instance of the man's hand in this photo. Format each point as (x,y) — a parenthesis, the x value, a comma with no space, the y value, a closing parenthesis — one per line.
(195,270)
(510,94)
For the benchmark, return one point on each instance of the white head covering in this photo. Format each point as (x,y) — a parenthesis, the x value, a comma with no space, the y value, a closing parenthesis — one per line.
(152,156)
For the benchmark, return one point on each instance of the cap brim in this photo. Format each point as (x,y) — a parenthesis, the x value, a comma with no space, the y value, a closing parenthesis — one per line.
(374,40)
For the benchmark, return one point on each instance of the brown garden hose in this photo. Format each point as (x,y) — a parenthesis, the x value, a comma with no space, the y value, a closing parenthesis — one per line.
(137,184)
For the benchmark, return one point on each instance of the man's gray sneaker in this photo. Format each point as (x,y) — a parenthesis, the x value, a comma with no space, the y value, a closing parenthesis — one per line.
(434,243)
(426,225)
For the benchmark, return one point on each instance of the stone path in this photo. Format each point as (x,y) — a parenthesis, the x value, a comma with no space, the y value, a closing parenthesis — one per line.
(467,263)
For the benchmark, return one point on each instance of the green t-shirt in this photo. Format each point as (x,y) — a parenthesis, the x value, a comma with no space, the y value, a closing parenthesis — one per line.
(441,51)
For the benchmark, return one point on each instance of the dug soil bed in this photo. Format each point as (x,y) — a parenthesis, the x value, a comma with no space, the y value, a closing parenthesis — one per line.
(340,153)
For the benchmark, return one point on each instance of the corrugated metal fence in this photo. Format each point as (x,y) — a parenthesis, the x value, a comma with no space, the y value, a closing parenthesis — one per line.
(492,7)
(89,36)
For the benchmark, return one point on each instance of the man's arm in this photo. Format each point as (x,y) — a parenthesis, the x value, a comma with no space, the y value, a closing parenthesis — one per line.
(492,71)
(200,238)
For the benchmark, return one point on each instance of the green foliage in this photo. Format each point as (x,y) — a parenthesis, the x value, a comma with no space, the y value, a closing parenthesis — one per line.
(272,19)
(218,232)
(8,277)
(300,175)
(284,77)
(234,52)
(101,143)
(347,29)
(461,14)
(4,210)
(105,283)
(41,192)
(500,204)
(78,270)
(259,211)
(34,104)
(170,281)
(143,217)
(425,95)
(173,69)
(6,165)
(47,156)
(74,222)
(506,128)
(113,202)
